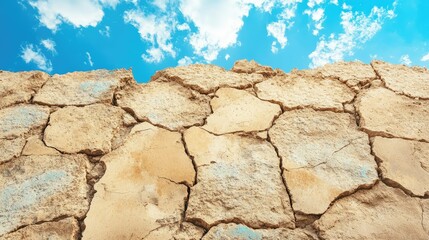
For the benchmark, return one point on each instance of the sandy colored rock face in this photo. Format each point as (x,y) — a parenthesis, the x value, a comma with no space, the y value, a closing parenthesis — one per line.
(35,146)
(239,111)
(207,78)
(138,186)
(383,112)
(352,73)
(166,103)
(404,162)
(324,155)
(413,82)
(233,231)
(10,148)
(380,213)
(297,92)
(236,175)
(88,129)
(64,229)
(244,66)
(18,120)
(425,215)
(41,188)
(81,88)
(20,87)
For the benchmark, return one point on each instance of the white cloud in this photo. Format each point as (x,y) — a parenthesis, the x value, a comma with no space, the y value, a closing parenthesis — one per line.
(49,44)
(227,57)
(156,30)
(335,2)
(79,13)
(425,58)
(346,7)
(105,32)
(405,59)
(88,55)
(313,3)
(317,16)
(358,28)
(183,27)
(162,4)
(33,54)
(110,3)
(218,23)
(185,61)
(277,30)
(274,48)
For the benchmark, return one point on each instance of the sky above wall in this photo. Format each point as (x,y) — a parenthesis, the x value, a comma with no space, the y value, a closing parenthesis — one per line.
(59,36)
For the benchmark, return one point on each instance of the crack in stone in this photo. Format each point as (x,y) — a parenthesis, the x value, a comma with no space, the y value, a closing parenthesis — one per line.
(56,219)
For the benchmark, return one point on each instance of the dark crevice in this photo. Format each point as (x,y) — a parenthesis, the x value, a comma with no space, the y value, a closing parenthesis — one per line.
(55,219)
(282,176)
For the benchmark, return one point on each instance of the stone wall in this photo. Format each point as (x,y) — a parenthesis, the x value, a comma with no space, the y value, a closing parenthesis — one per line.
(338,152)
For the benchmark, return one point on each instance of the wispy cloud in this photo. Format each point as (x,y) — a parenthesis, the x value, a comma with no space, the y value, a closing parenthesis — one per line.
(32,54)
(358,29)
(405,59)
(184,61)
(90,62)
(49,44)
(425,58)
(105,31)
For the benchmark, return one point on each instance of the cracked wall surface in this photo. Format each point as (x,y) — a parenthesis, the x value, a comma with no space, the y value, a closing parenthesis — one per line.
(200,152)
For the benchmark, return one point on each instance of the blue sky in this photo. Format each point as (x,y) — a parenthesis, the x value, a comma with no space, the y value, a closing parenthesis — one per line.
(59,36)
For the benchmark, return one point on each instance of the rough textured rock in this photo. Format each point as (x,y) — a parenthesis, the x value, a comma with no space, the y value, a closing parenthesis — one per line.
(10,148)
(379,213)
(140,187)
(236,175)
(298,92)
(411,81)
(233,231)
(35,146)
(19,87)
(88,129)
(64,229)
(42,188)
(323,155)
(201,152)
(165,103)
(382,112)
(244,66)
(404,162)
(207,78)
(82,88)
(351,73)
(17,120)
(237,110)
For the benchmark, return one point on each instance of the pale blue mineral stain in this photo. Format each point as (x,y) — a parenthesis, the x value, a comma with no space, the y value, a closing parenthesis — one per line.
(364,172)
(96,88)
(243,233)
(23,117)
(18,197)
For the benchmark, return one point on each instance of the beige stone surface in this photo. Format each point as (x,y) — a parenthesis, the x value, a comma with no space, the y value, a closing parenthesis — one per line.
(19,87)
(18,120)
(425,221)
(82,88)
(207,78)
(139,187)
(165,103)
(323,155)
(10,148)
(382,112)
(404,162)
(298,92)
(236,176)
(67,228)
(352,73)
(42,188)
(88,129)
(244,66)
(35,146)
(239,111)
(379,213)
(234,231)
(185,231)
(411,81)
